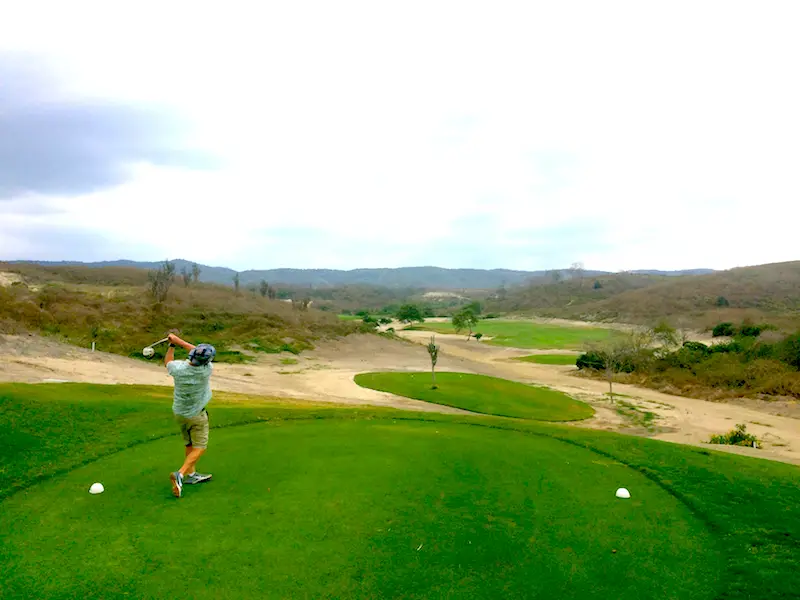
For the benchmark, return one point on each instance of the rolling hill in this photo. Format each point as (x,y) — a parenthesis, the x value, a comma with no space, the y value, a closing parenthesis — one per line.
(418,277)
(763,292)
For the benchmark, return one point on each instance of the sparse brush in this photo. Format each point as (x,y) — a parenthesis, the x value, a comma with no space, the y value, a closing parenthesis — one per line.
(736,437)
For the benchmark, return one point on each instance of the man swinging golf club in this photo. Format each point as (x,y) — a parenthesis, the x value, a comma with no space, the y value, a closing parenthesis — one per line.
(192,394)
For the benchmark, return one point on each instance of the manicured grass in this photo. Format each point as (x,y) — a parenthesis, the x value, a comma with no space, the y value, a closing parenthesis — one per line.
(324,502)
(525,334)
(550,359)
(481,394)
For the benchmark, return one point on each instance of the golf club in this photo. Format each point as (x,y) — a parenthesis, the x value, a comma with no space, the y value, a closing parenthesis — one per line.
(148,351)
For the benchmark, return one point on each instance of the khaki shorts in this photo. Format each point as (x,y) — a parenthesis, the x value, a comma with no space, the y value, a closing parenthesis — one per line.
(194,429)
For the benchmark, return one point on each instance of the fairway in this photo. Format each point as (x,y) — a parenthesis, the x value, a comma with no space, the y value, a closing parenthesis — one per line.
(355,509)
(525,334)
(550,359)
(481,394)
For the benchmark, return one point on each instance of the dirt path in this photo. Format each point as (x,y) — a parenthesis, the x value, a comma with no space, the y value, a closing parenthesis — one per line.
(326,374)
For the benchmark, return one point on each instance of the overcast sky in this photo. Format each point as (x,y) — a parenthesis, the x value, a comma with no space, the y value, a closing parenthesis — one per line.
(521,135)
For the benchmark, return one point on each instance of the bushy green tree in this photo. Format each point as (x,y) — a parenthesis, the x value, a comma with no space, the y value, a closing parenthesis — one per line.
(409,313)
(465,319)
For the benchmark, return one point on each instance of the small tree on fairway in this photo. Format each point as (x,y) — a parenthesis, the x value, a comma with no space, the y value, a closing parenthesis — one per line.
(465,319)
(409,313)
(263,288)
(433,350)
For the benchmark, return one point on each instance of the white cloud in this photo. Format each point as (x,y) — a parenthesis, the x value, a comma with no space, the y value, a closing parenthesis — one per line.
(674,127)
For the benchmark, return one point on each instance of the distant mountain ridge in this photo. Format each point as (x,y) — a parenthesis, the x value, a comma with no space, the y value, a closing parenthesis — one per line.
(418,277)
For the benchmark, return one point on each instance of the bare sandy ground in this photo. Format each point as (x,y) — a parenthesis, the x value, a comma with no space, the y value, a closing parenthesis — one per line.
(326,374)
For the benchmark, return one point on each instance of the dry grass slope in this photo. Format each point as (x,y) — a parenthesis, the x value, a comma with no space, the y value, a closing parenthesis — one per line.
(112,307)
(766,292)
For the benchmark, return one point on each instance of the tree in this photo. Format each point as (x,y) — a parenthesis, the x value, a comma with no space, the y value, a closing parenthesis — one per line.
(501,292)
(272,293)
(668,336)
(555,275)
(474,306)
(576,272)
(465,319)
(622,354)
(236,283)
(187,277)
(433,350)
(408,313)
(597,285)
(160,280)
(195,272)
(263,288)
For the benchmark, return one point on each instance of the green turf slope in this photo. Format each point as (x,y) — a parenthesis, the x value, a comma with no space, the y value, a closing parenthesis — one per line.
(359,509)
(480,394)
(328,502)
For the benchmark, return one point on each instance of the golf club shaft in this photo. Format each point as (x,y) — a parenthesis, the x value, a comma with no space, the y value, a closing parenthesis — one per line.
(164,341)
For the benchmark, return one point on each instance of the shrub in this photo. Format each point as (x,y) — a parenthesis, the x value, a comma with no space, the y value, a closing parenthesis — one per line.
(684,358)
(734,346)
(750,330)
(789,350)
(722,371)
(736,437)
(384,320)
(591,360)
(724,330)
(478,336)
(597,285)
(696,347)
(722,301)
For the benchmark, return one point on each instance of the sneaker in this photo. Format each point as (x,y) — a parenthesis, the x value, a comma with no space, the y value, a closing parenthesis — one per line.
(177,483)
(193,478)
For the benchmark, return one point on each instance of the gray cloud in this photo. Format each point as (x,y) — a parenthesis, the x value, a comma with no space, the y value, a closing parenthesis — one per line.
(51,145)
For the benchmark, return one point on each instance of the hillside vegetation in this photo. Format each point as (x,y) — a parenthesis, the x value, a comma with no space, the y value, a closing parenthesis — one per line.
(766,292)
(114,308)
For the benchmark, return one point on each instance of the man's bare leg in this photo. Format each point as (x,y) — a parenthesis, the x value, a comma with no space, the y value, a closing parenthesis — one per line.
(192,456)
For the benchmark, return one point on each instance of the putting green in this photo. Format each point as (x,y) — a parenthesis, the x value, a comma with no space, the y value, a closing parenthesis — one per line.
(480,394)
(341,508)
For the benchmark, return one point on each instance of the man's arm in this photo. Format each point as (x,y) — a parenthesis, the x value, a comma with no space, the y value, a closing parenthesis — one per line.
(174,339)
